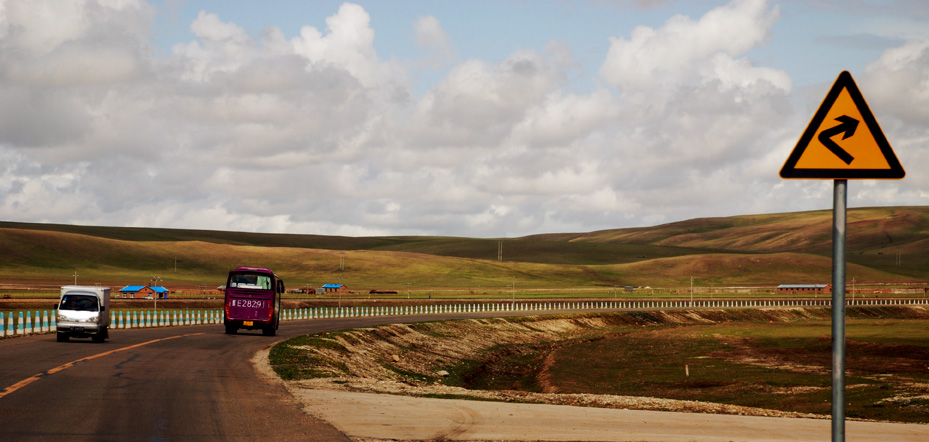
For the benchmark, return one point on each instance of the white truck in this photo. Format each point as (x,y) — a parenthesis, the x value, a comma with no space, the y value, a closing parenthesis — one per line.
(83,311)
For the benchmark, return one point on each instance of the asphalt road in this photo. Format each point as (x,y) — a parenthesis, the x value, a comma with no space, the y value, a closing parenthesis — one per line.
(172,383)
(197,383)
(154,384)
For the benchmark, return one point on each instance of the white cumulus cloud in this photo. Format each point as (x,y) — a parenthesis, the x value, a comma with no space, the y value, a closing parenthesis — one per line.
(317,132)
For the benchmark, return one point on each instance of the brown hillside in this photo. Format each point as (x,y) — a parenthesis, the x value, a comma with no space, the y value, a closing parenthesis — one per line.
(884,245)
(868,229)
(738,269)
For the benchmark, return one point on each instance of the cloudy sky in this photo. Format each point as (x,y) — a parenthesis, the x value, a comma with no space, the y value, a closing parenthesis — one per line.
(479,118)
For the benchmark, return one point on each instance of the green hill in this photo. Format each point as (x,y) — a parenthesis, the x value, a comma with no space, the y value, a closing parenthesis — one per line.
(884,244)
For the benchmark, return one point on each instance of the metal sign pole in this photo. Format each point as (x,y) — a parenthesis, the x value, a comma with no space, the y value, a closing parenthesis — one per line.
(867,156)
(840,199)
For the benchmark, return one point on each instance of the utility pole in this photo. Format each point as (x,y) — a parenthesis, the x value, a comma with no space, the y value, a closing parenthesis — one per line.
(75,276)
(155,280)
(691,291)
(514,290)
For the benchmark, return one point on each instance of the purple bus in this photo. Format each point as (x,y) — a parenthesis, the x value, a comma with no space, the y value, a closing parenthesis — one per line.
(253,300)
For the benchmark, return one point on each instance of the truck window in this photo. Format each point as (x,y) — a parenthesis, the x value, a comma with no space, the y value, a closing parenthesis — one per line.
(79,303)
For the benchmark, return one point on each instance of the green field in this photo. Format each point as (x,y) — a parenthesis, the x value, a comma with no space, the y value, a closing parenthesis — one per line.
(885,246)
(781,366)
(750,359)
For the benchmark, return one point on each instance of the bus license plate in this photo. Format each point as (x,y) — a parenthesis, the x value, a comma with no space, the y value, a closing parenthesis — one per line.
(248,323)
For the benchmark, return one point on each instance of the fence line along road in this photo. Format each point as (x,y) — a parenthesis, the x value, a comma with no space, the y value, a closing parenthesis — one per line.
(20,323)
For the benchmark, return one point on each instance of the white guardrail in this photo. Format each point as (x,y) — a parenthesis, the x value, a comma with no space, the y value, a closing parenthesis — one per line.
(22,323)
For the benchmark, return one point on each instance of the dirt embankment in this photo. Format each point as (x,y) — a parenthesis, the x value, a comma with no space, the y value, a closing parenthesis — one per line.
(424,359)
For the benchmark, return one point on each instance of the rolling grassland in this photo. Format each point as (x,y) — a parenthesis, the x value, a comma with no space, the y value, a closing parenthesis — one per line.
(885,245)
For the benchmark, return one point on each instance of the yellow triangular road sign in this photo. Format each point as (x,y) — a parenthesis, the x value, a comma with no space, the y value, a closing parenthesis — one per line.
(843,140)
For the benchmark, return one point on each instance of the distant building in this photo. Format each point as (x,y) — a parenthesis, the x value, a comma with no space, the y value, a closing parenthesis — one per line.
(335,288)
(802,289)
(143,291)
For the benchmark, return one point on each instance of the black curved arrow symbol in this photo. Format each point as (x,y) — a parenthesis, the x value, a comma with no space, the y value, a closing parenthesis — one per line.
(846,124)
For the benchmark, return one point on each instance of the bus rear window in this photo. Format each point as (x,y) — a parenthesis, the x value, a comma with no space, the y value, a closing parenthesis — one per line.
(250,281)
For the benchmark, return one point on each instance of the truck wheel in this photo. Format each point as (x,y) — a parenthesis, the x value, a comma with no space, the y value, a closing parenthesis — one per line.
(62,337)
(101,335)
